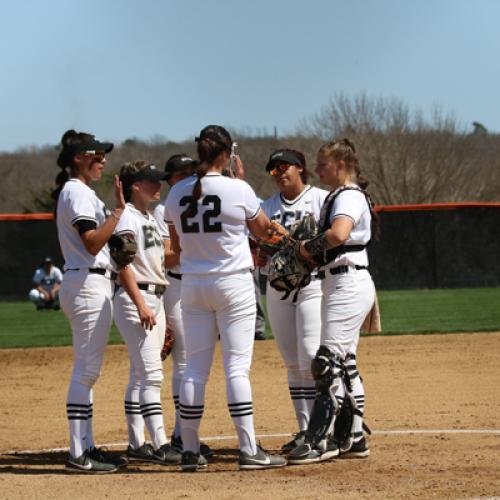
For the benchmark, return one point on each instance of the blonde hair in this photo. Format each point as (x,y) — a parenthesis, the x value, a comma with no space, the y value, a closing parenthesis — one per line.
(345,150)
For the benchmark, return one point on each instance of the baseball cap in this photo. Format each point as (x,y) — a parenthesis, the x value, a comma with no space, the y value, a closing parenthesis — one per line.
(178,163)
(148,173)
(47,260)
(91,145)
(284,156)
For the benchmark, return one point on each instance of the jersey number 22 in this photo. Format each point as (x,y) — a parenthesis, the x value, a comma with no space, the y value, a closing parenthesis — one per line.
(209,225)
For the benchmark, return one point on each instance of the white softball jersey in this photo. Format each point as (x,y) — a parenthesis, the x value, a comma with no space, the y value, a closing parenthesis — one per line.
(287,212)
(353,204)
(159,215)
(215,239)
(78,201)
(148,265)
(47,280)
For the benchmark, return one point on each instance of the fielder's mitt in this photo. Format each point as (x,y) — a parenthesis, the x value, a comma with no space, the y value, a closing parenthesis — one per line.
(277,237)
(168,345)
(288,270)
(122,248)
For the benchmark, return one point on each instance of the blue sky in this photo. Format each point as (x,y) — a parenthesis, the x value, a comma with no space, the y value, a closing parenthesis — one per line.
(130,68)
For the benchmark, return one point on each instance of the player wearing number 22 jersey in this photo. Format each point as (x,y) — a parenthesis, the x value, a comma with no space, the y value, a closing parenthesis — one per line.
(209,217)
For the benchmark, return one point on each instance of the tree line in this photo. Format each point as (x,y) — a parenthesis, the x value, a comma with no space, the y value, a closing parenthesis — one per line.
(407,157)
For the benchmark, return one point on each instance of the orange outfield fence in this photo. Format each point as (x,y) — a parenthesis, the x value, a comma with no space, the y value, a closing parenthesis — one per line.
(378,208)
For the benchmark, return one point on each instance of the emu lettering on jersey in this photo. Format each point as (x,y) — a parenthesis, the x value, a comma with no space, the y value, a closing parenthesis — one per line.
(213,209)
(288,217)
(151,237)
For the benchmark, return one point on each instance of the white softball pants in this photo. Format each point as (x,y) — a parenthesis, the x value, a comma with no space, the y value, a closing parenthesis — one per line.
(347,299)
(213,305)
(146,370)
(172,303)
(86,300)
(297,330)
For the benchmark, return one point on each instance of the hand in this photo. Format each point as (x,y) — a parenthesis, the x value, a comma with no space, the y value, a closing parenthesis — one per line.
(146,317)
(120,200)
(239,169)
(45,294)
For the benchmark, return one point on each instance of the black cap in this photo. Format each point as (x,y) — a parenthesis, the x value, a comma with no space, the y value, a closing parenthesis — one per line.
(285,156)
(148,173)
(217,134)
(47,260)
(178,163)
(90,145)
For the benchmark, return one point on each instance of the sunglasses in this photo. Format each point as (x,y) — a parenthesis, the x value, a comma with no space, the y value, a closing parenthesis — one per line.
(279,169)
(97,156)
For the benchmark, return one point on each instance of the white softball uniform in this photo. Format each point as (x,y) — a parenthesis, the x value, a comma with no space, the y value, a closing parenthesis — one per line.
(217,297)
(86,298)
(46,281)
(144,346)
(348,294)
(297,325)
(172,304)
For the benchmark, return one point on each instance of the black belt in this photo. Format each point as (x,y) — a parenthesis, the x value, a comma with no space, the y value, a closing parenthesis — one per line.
(345,269)
(150,287)
(174,275)
(320,276)
(99,270)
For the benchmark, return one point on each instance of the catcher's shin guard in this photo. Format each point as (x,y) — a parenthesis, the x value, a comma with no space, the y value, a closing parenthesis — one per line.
(325,368)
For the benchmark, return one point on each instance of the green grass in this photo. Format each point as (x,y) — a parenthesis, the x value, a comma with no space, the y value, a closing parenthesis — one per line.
(21,325)
(403,312)
(440,311)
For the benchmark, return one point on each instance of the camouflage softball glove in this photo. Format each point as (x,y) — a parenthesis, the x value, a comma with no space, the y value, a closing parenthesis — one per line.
(288,270)
(122,248)
(277,237)
(168,345)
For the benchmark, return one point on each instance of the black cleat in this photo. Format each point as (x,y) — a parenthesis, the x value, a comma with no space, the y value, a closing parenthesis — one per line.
(166,455)
(261,460)
(144,453)
(86,465)
(192,462)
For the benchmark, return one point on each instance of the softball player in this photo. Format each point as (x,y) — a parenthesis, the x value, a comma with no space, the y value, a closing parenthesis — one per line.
(178,167)
(348,296)
(84,226)
(296,324)
(209,216)
(139,314)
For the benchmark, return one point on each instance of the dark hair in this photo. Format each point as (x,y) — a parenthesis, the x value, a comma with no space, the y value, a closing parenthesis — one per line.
(212,142)
(130,168)
(69,140)
(345,150)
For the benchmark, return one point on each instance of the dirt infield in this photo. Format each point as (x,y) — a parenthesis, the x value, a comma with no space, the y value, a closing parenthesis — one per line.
(414,383)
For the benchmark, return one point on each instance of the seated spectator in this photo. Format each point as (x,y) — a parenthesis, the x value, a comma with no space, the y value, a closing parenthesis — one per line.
(47,281)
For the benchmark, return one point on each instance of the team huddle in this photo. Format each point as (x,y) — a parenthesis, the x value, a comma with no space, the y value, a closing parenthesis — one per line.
(176,276)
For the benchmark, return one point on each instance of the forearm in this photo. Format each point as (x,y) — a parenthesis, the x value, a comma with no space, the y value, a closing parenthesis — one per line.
(129,283)
(95,239)
(172,258)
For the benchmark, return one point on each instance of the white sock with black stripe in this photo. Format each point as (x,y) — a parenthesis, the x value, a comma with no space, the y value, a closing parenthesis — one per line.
(239,396)
(191,406)
(358,392)
(176,385)
(90,423)
(77,410)
(150,405)
(135,422)
(303,401)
